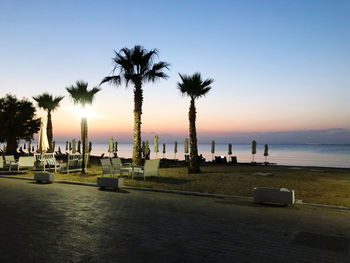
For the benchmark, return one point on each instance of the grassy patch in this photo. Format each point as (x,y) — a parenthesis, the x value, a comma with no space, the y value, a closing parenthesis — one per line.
(312,185)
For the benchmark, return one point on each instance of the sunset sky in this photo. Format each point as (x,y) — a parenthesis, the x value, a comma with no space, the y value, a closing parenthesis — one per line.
(277,65)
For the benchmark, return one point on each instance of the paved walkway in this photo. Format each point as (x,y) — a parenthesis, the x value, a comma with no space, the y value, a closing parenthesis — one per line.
(70,223)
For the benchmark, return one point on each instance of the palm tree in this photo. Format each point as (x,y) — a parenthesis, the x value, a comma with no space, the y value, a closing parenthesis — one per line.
(136,66)
(50,104)
(194,87)
(81,95)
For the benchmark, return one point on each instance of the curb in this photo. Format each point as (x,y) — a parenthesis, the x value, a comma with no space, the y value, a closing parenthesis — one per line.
(325,206)
(246,198)
(188,193)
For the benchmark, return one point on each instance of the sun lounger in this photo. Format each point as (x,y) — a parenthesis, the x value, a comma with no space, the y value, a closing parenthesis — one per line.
(151,167)
(107,168)
(46,161)
(73,164)
(1,162)
(10,161)
(25,162)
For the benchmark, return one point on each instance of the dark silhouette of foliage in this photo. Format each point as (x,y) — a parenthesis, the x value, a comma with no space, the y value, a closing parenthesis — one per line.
(136,66)
(17,121)
(50,104)
(193,87)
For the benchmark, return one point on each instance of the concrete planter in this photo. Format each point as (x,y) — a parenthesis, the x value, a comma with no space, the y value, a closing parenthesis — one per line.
(110,182)
(44,177)
(273,195)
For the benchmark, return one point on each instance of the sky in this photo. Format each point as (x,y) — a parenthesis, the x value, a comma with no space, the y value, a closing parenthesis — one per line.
(280,67)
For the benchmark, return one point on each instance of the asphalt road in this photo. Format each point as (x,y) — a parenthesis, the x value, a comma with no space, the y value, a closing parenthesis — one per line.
(71,223)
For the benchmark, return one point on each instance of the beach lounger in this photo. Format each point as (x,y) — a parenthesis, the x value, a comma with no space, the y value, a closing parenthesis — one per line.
(151,167)
(46,161)
(106,166)
(116,164)
(10,161)
(73,164)
(1,162)
(109,181)
(25,162)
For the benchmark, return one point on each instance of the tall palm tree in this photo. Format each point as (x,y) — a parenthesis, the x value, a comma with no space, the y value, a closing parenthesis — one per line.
(194,87)
(50,104)
(136,66)
(81,95)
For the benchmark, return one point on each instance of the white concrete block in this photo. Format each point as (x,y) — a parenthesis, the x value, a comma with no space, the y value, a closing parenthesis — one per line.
(110,182)
(273,195)
(44,177)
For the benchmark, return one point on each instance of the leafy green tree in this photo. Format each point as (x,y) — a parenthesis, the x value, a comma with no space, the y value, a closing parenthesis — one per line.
(193,87)
(17,121)
(136,66)
(50,104)
(81,95)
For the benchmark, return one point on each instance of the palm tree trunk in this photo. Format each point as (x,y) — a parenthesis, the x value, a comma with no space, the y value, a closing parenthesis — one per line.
(194,162)
(49,131)
(138,98)
(84,139)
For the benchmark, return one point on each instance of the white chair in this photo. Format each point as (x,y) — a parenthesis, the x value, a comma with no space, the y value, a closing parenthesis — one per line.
(110,181)
(10,161)
(106,166)
(46,161)
(1,162)
(151,167)
(25,162)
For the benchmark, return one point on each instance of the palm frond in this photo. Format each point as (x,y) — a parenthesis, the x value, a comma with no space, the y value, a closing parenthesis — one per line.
(136,65)
(116,80)
(80,94)
(193,86)
(47,101)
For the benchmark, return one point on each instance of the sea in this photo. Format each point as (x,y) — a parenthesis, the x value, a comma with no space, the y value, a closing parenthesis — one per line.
(322,155)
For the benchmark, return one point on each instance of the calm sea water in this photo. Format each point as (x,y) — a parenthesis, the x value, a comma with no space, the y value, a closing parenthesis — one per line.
(304,155)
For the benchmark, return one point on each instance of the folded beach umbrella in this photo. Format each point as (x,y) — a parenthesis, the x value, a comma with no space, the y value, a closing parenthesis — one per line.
(175,149)
(186,145)
(79,146)
(67,146)
(212,149)
(163,149)
(116,146)
(24,146)
(253,148)
(43,143)
(53,146)
(70,146)
(156,150)
(111,145)
(90,147)
(74,149)
(229,149)
(147,149)
(266,152)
